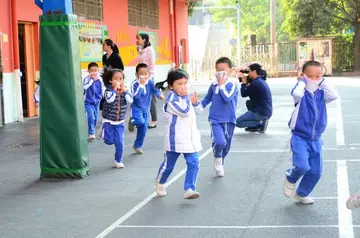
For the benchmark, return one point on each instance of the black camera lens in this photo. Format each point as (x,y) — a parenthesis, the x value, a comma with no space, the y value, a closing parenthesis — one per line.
(245,71)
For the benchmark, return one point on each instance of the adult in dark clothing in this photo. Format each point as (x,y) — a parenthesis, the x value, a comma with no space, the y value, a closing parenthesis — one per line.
(111,58)
(259,106)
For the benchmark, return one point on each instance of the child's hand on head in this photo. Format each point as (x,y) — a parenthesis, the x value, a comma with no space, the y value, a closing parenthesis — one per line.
(301,75)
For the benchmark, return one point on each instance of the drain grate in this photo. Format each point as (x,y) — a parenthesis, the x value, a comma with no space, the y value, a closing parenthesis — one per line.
(23,145)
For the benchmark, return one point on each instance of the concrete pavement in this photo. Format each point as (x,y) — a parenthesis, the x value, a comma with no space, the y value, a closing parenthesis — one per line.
(247,202)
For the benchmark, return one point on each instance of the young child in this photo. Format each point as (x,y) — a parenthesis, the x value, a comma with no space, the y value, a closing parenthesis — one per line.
(308,122)
(37,94)
(142,90)
(181,135)
(114,109)
(223,94)
(93,93)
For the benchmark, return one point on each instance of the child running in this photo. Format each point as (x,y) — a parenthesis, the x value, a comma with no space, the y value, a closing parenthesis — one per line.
(223,96)
(181,135)
(142,90)
(114,109)
(307,123)
(93,93)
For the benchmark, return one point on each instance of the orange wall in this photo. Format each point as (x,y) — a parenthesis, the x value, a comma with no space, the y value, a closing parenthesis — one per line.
(27,11)
(116,19)
(181,26)
(7,58)
(125,35)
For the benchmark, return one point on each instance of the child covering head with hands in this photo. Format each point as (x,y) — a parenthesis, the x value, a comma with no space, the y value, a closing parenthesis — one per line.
(307,123)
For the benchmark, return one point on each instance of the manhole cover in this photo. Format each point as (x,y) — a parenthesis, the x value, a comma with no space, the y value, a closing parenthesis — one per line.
(24,145)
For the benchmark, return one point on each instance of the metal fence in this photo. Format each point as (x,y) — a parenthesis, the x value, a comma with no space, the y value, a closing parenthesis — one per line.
(343,56)
(285,63)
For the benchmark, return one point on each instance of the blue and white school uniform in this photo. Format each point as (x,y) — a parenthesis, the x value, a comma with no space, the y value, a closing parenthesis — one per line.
(307,123)
(93,93)
(37,95)
(222,114)
(113,114)
(181,137)
(140,108)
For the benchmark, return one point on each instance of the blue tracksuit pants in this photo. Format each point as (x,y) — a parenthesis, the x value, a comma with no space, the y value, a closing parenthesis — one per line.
(307,163)
(92,112)
(114,135)
(221,135)
(140,119)
(167,166)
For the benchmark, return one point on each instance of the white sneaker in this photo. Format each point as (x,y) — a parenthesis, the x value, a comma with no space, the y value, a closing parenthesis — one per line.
(191,194)
(218,166)
(160,190)
(220,173)
(138,151)
(91,137)
(353,202)
(304,200)
(118,165)
(289,189)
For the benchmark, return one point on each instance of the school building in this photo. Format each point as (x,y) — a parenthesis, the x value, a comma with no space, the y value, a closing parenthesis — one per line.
(121,20)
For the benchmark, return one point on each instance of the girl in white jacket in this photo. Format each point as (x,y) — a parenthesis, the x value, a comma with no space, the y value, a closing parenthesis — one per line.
(181,135)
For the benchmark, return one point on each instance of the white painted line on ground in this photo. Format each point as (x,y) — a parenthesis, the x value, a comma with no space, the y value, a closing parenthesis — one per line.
(287,150)
(232,227)
(145,201)
(340,140)
(336,160)
(324,198)
(345,215)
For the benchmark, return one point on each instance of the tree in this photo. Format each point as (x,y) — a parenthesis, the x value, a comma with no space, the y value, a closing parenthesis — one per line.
(191,6)
(323,17)
(255,18)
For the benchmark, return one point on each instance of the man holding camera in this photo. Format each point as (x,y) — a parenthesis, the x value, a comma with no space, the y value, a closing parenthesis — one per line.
(260,104)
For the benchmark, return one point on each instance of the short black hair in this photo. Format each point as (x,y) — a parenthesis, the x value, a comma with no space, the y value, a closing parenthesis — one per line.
(141,66)
(93,64)
(310,63)
(224,60)
(109,73)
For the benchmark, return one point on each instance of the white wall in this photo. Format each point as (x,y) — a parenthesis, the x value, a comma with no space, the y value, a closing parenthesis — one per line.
(10,103)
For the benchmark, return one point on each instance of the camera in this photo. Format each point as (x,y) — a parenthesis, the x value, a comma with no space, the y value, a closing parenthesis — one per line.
(245,73)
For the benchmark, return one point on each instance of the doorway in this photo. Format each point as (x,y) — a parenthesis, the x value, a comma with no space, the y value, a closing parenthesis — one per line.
(27,67)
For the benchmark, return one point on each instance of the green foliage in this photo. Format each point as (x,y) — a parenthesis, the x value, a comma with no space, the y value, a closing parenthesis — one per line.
(191,8)
(255,18)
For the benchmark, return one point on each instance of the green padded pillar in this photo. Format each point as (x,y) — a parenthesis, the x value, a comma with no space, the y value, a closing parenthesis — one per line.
(63,136)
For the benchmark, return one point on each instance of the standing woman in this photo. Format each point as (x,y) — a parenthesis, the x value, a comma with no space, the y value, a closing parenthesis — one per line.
(112,57)
(147,56)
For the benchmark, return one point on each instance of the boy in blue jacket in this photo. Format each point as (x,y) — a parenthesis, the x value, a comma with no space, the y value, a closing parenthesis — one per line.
(93,93)
(142,90)
(307,123)
(223,96)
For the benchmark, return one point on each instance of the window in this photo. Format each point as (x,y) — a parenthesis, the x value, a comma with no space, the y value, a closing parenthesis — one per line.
(144,13)
(88,9)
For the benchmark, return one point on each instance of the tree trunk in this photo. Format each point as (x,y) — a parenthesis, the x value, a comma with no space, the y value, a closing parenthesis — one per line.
(357,46)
